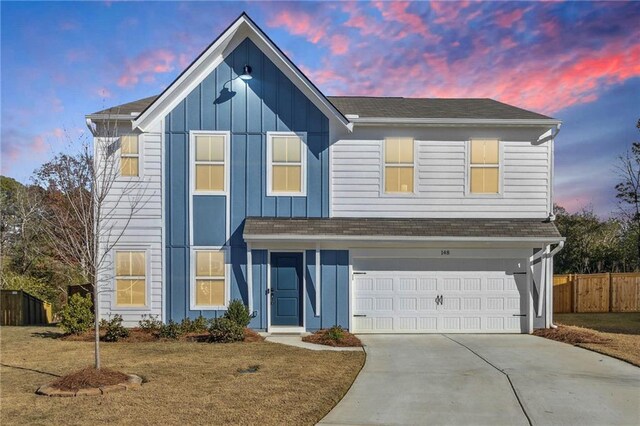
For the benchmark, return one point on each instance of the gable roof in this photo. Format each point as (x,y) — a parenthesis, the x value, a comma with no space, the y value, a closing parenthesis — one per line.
(474,108)
(392,108)
(214,54)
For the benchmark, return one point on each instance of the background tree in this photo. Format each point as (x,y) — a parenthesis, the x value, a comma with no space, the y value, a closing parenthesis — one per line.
(628,191)
(85,214)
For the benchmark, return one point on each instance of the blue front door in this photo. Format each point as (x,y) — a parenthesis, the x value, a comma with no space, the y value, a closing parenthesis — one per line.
(286,289)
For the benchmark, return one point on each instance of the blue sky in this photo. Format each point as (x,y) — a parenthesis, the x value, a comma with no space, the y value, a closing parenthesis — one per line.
(578,61)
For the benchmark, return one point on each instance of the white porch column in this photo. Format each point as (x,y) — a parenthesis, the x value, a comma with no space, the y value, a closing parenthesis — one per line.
(249,278)
(318,292)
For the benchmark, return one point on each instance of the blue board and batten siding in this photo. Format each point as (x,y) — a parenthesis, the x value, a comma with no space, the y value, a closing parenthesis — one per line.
(248,110)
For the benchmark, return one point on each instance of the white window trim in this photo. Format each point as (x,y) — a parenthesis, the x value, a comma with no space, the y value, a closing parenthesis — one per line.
(192,279)
(467,172)
(303,163)
(192,161)
(139,155)
(383,192)
(147,280)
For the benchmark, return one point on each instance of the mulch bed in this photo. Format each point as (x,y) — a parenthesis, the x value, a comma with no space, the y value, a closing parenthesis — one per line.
(571,335)
(137,335)
(320,338)
(89,378)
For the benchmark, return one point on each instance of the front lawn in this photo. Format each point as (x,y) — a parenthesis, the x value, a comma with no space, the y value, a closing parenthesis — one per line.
(613,334)
(612,322)
(187,382)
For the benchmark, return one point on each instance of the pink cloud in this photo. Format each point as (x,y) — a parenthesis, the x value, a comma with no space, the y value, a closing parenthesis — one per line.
(145,66)
(448,11)
(508,19)
(339,44)
(299,23)
(397,12)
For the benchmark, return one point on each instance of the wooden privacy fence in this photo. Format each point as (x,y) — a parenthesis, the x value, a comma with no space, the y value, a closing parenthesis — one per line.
(596,292)
(18,307)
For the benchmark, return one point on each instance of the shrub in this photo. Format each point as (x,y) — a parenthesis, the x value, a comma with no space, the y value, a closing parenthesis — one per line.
(224,330)
(335,333)
(238,313)
(150,323)
(114,329)
(76,316)
(170,330)
(197,325)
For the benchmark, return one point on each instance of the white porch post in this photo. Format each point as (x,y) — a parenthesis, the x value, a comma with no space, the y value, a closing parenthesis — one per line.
(318,292)
(249,278)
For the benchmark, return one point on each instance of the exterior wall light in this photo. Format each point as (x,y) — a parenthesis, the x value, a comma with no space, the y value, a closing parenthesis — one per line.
(246,73)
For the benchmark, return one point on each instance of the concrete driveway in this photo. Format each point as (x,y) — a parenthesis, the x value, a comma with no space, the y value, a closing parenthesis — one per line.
(487,380)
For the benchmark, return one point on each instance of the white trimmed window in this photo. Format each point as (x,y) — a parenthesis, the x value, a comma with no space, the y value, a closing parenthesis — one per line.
(209,286)
(131,278)
(398,166)
(209,158)
(286,160)
(484,166)
(129,156)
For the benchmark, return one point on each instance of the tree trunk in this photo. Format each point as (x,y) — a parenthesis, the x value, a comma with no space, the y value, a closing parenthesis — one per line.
(96,313)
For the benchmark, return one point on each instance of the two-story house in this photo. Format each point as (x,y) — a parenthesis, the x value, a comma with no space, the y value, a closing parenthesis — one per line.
(382,215)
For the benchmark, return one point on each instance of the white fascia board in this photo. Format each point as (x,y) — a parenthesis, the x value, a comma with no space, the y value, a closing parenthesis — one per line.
(190,78)
(376,121)
(399,239)
(213,56)
(292,72)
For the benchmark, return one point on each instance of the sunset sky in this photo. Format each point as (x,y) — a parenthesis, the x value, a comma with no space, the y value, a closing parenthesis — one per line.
(579,62)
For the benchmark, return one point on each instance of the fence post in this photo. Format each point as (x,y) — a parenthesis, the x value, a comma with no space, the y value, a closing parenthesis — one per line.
(574,283)
(610,292)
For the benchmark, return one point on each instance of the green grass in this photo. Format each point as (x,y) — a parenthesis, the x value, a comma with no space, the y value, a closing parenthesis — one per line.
(611,322)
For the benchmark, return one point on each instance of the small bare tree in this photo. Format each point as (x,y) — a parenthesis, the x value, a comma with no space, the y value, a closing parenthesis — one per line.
(628,190)
(90,207)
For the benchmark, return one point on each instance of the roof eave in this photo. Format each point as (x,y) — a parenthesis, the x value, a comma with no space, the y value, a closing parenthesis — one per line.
(393,239)
(467,122)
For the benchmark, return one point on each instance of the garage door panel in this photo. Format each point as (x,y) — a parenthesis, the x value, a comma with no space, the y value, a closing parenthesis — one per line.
(428,285)
(472,301)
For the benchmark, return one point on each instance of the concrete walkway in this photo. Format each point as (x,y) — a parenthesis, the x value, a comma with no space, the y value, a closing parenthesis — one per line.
(487,380)
(296,340)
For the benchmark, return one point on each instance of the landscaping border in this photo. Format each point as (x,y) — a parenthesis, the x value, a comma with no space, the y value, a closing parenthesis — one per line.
(134,382)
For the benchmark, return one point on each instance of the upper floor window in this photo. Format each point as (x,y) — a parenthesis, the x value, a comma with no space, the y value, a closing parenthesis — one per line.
(129,156)
(210,288)
(131,278)
(398,165)
(209,158)
(484,166)
(286,158)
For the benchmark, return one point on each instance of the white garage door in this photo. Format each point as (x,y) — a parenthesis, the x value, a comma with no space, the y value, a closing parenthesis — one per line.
(439,302)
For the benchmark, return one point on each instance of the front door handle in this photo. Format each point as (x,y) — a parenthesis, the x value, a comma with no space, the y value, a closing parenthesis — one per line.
(272,293)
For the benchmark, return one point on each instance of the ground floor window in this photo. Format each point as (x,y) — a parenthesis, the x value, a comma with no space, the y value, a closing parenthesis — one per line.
(131,278)
(209,279)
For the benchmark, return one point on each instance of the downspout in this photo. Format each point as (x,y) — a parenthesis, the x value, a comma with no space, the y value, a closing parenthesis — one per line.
(543,275)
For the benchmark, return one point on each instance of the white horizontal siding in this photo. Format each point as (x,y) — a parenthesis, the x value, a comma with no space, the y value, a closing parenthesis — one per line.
(143,230)
(441,182)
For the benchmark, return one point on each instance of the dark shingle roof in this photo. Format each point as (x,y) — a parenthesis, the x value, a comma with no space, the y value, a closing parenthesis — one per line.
(482,108)
(128,108)
(391,227)
(372,107)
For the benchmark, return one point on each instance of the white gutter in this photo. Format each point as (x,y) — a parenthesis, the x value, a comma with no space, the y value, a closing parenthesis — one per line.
(315,238)
(454,121)
(106,117)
